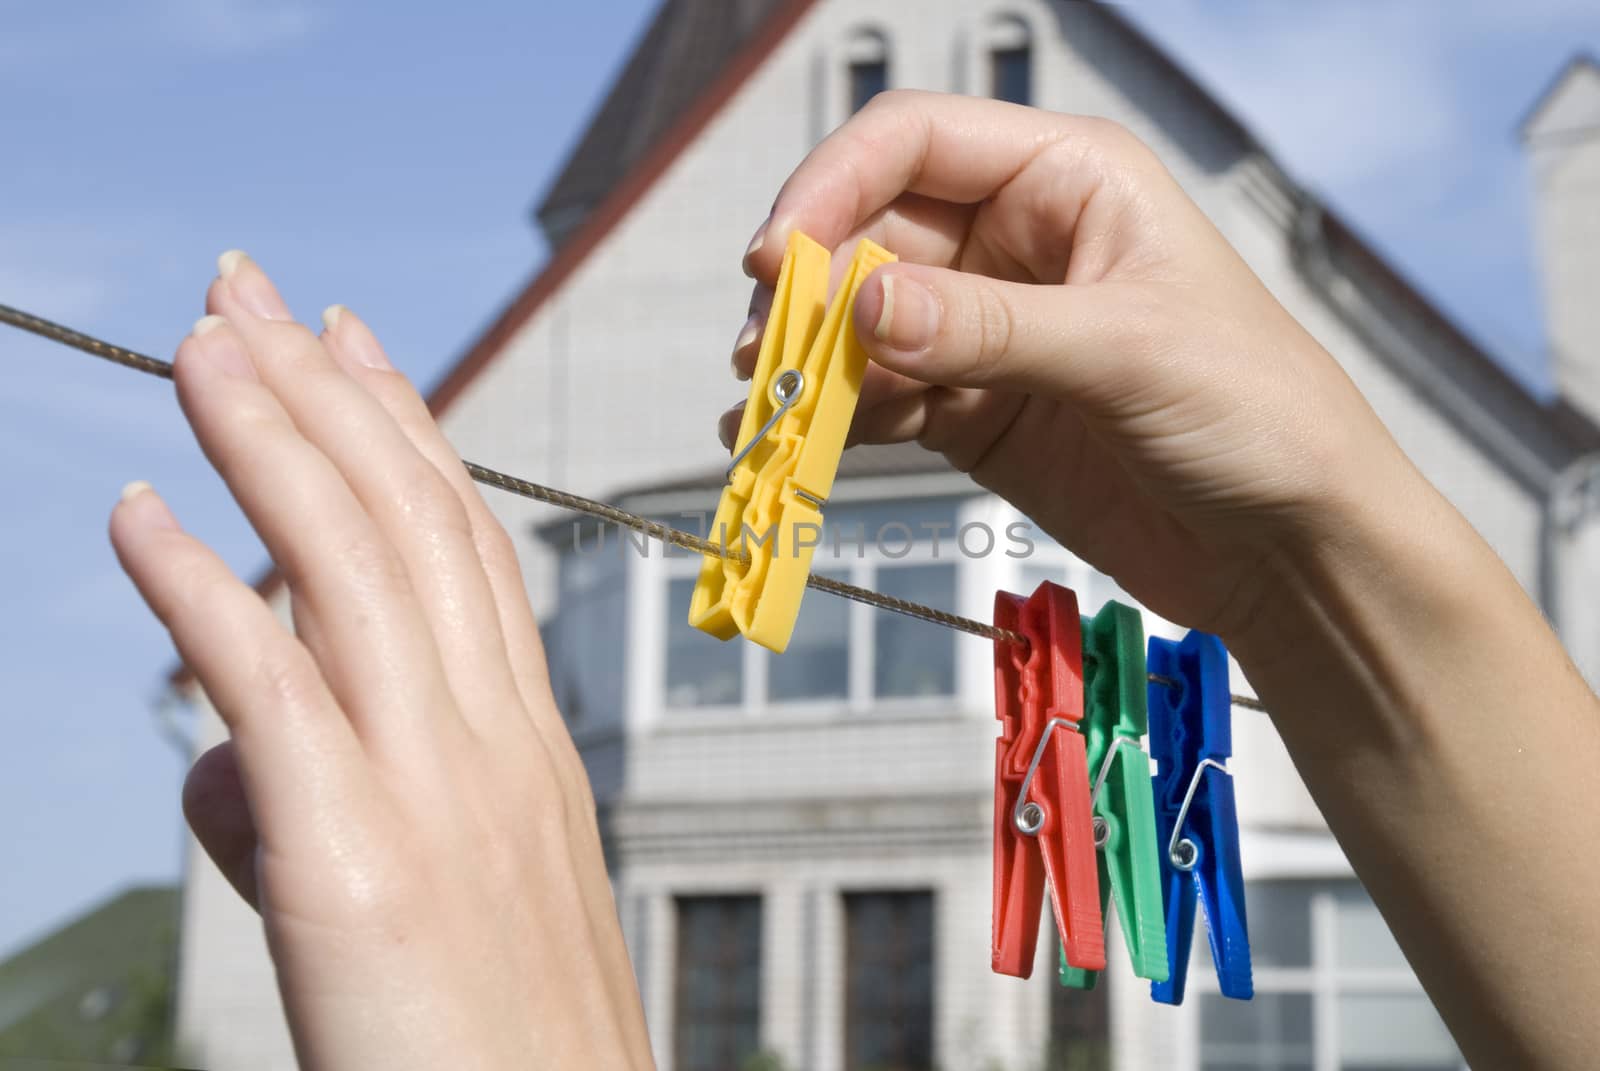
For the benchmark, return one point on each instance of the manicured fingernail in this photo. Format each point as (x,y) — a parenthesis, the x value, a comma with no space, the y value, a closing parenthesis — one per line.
(747,338)
(250,286)
(223,350)
(728,425)
(910,316)
(152,510)
(229,262)
(755,247)
(354,342)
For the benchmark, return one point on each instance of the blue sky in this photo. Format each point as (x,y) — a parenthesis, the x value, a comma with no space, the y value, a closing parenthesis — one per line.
(386,156)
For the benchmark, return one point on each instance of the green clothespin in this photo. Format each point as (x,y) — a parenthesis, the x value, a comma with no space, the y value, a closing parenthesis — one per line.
(1114,722)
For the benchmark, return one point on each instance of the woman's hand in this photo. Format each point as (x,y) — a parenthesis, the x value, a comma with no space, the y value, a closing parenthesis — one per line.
(1067,325)
(400,799)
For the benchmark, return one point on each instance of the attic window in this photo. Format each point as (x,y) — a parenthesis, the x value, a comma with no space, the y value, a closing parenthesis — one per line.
(867,59)
(1010,60)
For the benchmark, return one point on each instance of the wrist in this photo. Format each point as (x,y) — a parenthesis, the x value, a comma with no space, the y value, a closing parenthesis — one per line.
(1359,602)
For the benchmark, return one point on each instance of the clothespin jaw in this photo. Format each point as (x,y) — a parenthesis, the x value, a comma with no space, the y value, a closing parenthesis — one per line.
(1042,830)
(1191,739)
(1124,818)
(803,396)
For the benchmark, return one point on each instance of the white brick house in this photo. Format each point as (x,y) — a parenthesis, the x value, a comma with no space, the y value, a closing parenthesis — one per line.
(800,846)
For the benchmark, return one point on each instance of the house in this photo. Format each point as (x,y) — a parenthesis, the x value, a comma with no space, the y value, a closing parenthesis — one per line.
(801,845)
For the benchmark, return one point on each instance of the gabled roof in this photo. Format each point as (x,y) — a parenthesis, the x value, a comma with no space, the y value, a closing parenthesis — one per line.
(1580,65)
(681,53)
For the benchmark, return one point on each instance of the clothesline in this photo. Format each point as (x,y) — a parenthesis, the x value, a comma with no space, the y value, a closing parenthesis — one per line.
(577,503)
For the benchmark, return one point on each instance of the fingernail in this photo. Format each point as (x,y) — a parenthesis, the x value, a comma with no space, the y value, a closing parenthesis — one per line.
(755,247)
(910,316)
(355,342)
(223,350)
(747,336)
(152,510)
(728,426)
(250,286)
(229,262)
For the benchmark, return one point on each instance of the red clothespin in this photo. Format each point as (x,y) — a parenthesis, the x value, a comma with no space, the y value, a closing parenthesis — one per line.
(1042,822)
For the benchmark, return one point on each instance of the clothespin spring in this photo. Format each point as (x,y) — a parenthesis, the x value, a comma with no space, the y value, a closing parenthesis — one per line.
(787,389)
(1182,851)
(1029,816)
(1101,830)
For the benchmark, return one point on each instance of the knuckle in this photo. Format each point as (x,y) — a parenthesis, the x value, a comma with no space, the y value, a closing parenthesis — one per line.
(993,326)
(284,682)
(427,503)
(495,549)
(370,562)
(1113,138)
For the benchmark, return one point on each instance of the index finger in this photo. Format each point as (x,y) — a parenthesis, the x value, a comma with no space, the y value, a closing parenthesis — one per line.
(956,149)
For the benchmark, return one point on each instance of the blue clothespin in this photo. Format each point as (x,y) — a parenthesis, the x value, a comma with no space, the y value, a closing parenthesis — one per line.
(1197,822)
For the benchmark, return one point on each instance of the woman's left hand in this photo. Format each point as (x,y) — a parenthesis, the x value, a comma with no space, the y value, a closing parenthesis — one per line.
(399,798)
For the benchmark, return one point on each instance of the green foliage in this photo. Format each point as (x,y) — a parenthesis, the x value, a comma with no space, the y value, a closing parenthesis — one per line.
(98,991)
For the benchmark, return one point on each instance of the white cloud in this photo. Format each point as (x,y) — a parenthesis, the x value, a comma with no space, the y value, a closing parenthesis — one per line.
(238,26)
(1274,64)
(132,35)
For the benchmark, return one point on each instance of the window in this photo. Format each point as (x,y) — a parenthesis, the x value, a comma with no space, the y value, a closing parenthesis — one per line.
(817,663)
(889,981)
(915,658)
(581,639)
(1080,1021)
(838,657)
(717,1008)
(1323,958)
(867,67)
(1010,61)
(702,671)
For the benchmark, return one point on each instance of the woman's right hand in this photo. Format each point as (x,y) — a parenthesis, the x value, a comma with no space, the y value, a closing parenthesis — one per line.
(1066,325)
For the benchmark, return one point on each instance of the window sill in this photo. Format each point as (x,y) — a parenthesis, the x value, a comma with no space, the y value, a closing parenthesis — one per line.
(939,709)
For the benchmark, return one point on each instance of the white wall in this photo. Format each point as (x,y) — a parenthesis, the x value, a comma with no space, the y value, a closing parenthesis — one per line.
(1563,146)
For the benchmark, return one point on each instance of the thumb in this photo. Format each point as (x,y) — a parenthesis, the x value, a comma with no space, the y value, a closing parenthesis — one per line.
(958,329)
(215,805)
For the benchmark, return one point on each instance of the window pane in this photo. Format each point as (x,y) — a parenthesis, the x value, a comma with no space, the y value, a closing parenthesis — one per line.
(868,78)
(717,1013)
(1035,573)
(1080,1023)
(702,670)
(1279,914)
(889,981)
(854,530)
(1100,590)
(1364,939)
(817,663)
(1393,1032)
(581,640)
(1270,1033)
(915,658)
(1011,75)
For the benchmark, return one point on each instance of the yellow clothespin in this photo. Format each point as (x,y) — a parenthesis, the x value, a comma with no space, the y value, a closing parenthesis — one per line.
(802,398)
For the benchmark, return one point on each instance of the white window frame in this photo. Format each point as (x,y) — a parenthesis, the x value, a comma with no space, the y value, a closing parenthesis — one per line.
(860,698)
(1324,980)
